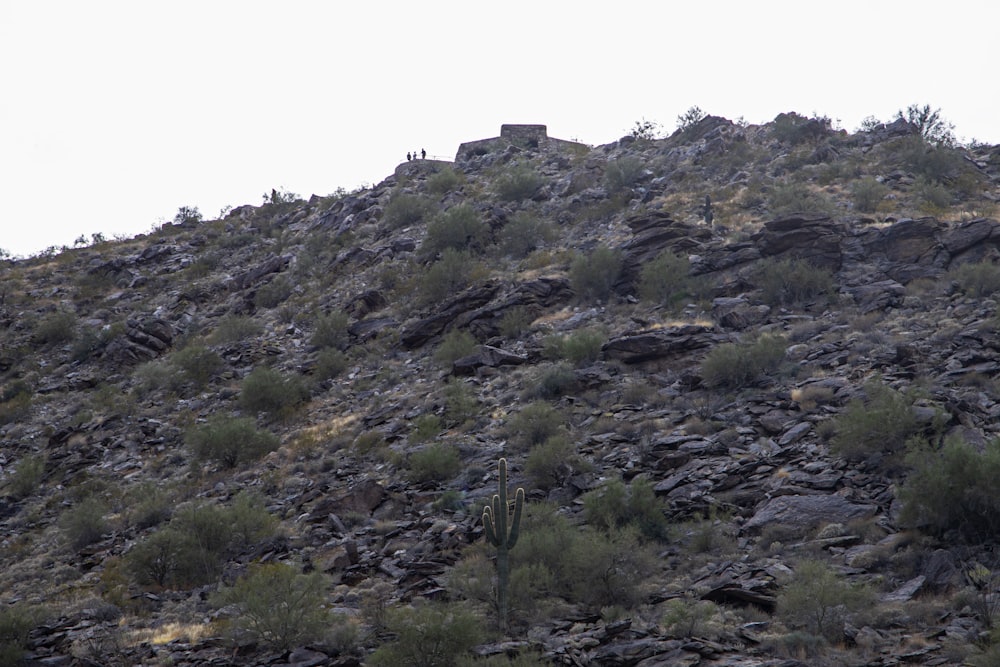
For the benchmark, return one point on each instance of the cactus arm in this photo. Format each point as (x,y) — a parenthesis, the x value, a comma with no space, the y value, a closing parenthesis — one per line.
(515,525)
(488,525)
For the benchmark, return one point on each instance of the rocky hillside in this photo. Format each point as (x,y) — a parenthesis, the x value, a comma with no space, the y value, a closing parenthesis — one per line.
(746,376)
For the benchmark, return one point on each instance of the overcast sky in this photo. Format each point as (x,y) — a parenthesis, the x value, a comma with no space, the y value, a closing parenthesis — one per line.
(113,114)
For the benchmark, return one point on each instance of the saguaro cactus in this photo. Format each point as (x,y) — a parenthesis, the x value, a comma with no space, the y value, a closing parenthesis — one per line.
(502,531)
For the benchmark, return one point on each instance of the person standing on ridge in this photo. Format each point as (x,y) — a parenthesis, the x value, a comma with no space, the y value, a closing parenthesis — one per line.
(408,158)
(423,154)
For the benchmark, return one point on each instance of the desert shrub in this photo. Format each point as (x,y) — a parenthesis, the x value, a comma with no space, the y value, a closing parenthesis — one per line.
(593,276)
(819,600)
(56,328)
(425,427)
(515,321)
(329,364)
(979,280)
(623,173)
(687,618)
(518,183)
(233,329)
(85,523)
(737,365)
(460,402)
(27,476)
(554,381)
(550,463)
(331,330)
(936,164)
(792,198)
(523,234)
(458,228)
(666,281)
(867,193)
(16,622)
(792,128)
(432,635)
(444,181)
(198,363)
(280,607)
(882,423)
(614,505)
(404,210)
(436,463)
(932,195)
(455,344)
(273,293)
(230,440)
(792,281)
(17,406)
(580,347)
(953,489)
(268,390)
(534,424)
(147,506)
(448,276)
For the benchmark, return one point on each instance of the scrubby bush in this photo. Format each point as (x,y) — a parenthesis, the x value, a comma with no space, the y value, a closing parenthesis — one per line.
(331,330)
(738,365)
(515,321)
(952,489)
(687,618)
(978,280)
(879,424)
(436,463)
(235,328)
(15,402)
(230,440)
(27,476)
(549,463)
(425,427)
(268,390)
(280,607)
(16,622)
(792,128)
(85,523)
(523,234)
(458,228)
(933,196)
(455,344)
(792,281)
(273,293)
(432,635)
(56,328)
(460,402)
(867,193)
(614,505)
(448,276)
(518,183)
(198,363)
(579,347)
(937,164)
(819,600)
(593,276)
(329,364)
(793,198)
(534,424)
(404,210)
(622,173)
(666,281)
(553,381)
(444,181)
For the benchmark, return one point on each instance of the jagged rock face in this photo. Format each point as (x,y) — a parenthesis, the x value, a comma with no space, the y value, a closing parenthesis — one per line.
(169,327)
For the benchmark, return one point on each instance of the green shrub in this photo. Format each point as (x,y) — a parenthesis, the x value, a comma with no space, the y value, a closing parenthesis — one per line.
(792,281)
(819,600)
(933,196)
(16,622)
(580,347)
(455,344)
(230,440)
(432,635)
(198,363)
(534,424)
(329,364)
(26,477)
(882,423)
(551,462)
(458,228)
(331,330)
(425,427)
(460,402)
(15,408)
(952,489)
(85,523)
(515,321)
(518,183)
(793,198)
(444,181)
(523,234)
(613,506)
(867,194)
(235,328)
(936,164)
(448,276)
(56,328)
(687,618)
(667,281)
(147,506)
(273,293)
(279,606)
(404,210)
(436,463)
(554,381)
(270,391)
(593,276)
(738,365)
(623,173)
(792,128)
(978,280)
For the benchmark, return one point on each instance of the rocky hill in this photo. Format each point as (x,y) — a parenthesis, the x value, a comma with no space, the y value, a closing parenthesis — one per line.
(746,376)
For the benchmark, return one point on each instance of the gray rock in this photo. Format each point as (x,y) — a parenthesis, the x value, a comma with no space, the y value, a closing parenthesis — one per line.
(804,513)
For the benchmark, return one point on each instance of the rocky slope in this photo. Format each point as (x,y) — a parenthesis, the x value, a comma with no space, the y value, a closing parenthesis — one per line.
(524,302)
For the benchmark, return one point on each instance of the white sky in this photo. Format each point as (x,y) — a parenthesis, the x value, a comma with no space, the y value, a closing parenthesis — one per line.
(115,113)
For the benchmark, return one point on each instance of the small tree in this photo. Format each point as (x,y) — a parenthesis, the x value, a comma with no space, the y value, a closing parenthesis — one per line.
(689,118)
(502,531)
(933,127)
(818,599)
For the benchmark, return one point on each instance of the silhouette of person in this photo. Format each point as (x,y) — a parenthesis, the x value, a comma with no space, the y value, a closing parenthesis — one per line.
(408,158)
(423,154)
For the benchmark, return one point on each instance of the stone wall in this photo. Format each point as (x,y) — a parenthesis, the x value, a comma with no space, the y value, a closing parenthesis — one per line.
(522,136)
(525,136)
